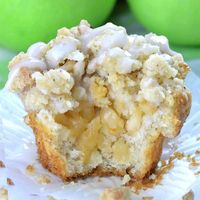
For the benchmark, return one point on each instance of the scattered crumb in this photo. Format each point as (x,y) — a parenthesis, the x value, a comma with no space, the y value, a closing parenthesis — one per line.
(197,173)
(194,163)
(10,181)
(121,193)
(2,165)
(49,197)
(197,152)
(154,179)
(178,155)
(189,196)
(71,183)
(44,179)
(3,194)
(147,198)
(162,168)
(30,169)
(163,163)
(126,179)
(192,160)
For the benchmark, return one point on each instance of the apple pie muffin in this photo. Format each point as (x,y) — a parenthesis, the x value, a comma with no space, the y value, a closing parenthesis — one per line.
(100,101)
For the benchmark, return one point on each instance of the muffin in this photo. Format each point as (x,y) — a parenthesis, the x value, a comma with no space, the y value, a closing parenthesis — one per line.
(101,102)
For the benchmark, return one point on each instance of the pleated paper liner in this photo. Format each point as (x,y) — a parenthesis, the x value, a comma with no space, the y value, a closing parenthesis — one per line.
(177,172)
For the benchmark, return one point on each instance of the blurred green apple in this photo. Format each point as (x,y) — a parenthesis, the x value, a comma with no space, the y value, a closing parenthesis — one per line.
(179,20)
(23,22)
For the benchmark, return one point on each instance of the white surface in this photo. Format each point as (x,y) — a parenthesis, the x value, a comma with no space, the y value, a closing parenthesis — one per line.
(17,150)
(195,66)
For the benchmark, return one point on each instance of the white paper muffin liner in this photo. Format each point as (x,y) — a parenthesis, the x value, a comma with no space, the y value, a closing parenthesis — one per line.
(18,149)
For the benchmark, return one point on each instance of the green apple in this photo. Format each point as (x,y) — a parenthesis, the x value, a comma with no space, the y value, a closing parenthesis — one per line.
(179,20)
(24,22)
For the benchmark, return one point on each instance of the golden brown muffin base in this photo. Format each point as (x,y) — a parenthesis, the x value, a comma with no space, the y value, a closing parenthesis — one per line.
(52,160)
(55,163)
(181,110)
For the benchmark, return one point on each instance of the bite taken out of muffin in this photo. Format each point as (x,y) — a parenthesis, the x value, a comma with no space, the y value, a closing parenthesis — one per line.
(100,101)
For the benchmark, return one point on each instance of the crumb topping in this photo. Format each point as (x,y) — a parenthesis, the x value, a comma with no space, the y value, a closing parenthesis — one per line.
(56,81)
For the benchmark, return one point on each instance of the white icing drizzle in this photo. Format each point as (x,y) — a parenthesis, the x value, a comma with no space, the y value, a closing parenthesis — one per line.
(147,82)
(76,56)
(11,76)
(160,41)
(37,50)
(30,63)
(111,36)
(101,41)
(92,65)
(60,51)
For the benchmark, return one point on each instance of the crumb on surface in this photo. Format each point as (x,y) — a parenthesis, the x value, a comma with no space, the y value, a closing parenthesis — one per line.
(163,168)
(156,180)
(30,169)
(71,183)
(197,173)
(189,196)
(194,162)
(178,155)
(3,194)
(44,179)
(126,179)
(2,165)
(197,151)
(10,181)
(121,193)
(49,197)
(147,198)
